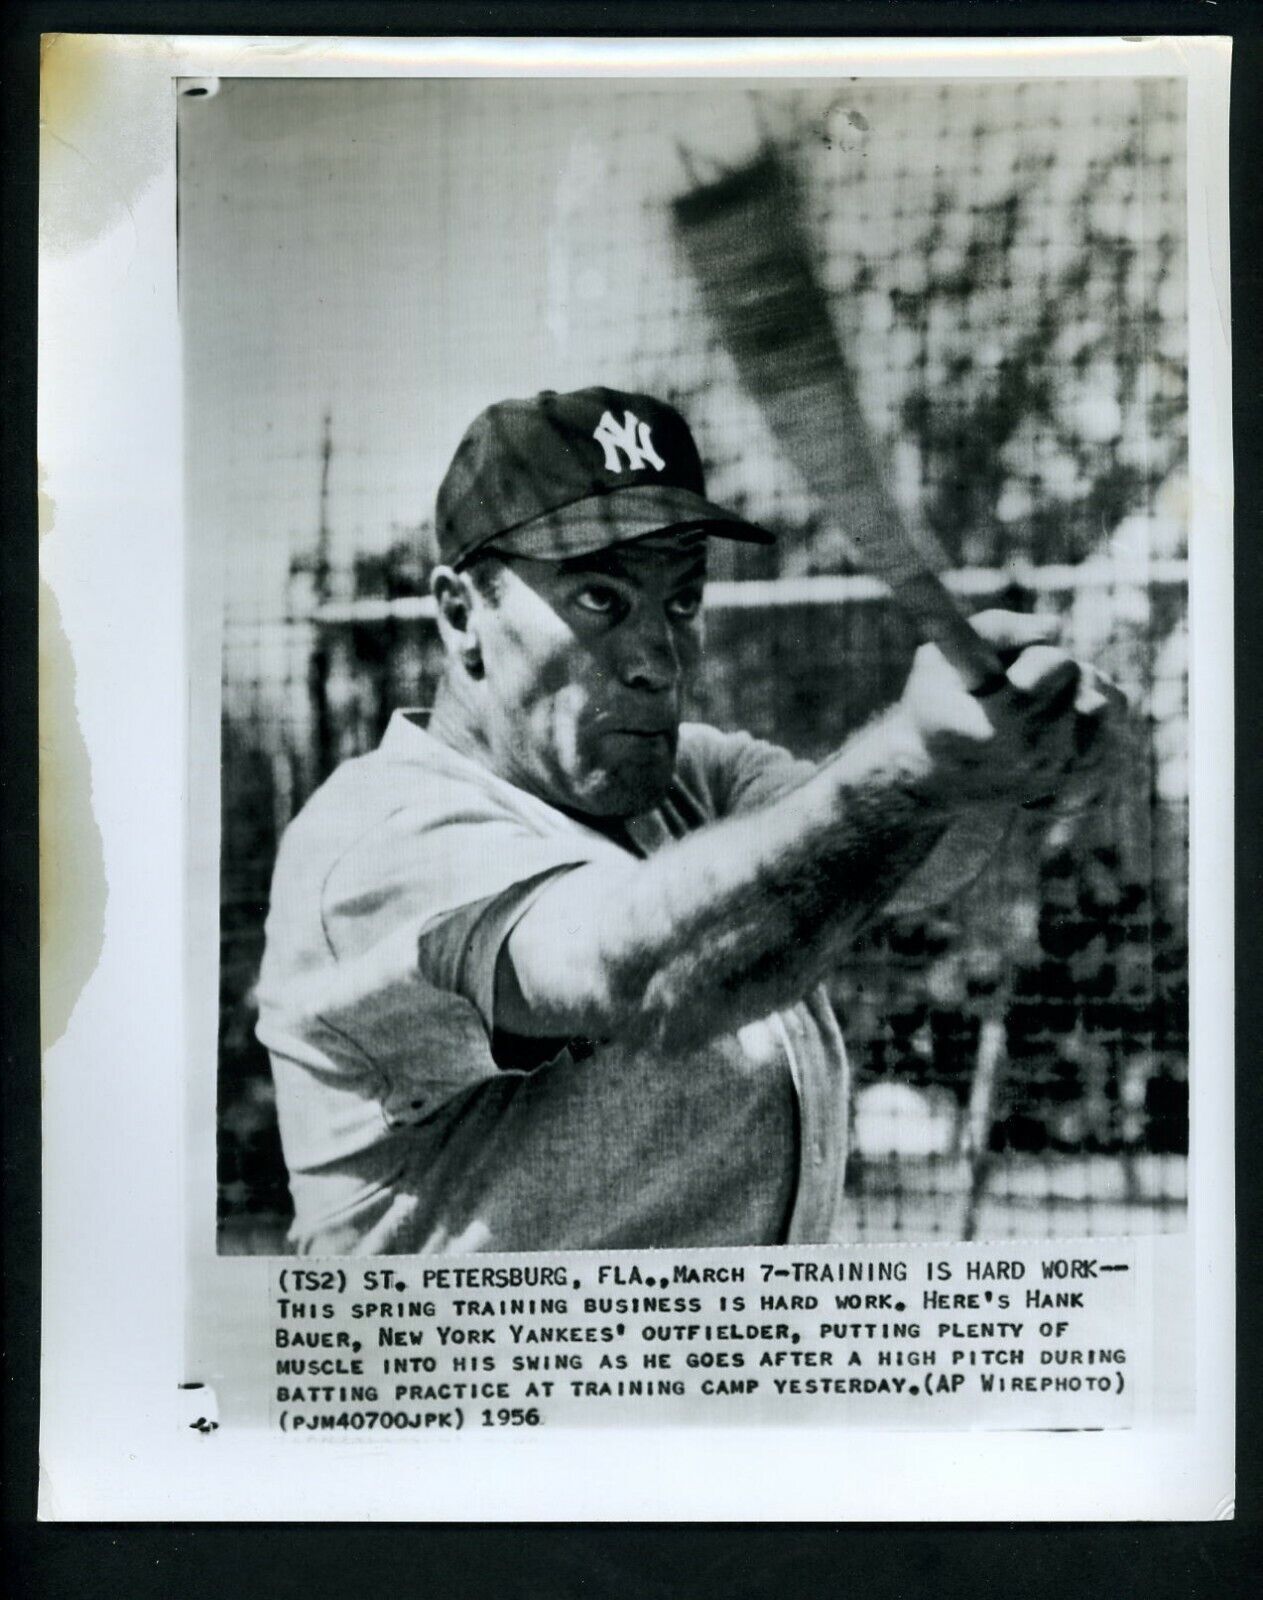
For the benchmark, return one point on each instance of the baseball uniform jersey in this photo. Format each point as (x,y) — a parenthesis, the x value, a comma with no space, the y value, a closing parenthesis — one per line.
(411,1123)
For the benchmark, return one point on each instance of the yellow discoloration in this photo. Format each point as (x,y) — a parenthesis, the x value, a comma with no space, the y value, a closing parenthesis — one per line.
(96,94)
(72,888)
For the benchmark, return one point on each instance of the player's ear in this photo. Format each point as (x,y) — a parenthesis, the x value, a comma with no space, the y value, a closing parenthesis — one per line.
(454,603)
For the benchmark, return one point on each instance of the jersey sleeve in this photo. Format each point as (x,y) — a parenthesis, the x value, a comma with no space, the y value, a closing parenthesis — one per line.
(446,885)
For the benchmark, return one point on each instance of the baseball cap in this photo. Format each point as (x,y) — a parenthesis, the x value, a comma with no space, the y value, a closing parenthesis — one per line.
(562,475)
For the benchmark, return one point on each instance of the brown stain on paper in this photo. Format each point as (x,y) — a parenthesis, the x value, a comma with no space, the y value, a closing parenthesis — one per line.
(96,95)
(72,887)
(103,141)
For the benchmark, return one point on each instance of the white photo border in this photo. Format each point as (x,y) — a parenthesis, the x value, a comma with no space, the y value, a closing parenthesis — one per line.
(120,1226)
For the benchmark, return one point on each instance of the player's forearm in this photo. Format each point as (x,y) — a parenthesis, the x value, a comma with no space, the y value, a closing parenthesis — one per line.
(733,922)
(743,917)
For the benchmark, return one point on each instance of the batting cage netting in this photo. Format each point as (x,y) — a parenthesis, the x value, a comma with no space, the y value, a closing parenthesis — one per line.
(365,265)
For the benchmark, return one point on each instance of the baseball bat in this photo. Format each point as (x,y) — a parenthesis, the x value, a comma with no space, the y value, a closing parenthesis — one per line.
(744,239)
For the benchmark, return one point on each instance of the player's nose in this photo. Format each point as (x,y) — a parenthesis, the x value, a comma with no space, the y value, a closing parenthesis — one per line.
(650,658)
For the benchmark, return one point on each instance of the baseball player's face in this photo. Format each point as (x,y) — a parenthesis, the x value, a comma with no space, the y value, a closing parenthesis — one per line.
(585,666)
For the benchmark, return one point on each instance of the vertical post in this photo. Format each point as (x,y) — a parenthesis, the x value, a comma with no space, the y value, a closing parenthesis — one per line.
(981,1113)
(319,662)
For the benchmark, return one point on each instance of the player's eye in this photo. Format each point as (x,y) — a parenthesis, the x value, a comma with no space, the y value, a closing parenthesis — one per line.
(686,605)
(602,599)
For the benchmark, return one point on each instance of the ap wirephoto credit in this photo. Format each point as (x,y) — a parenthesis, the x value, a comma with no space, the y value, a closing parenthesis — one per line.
(625,840)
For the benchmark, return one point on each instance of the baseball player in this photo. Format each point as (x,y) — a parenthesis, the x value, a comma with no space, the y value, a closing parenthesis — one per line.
(544,970)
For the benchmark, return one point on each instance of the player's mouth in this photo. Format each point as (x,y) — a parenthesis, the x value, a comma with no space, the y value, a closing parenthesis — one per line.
(641,722)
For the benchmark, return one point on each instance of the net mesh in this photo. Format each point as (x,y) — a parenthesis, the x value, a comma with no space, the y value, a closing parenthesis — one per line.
(365,266)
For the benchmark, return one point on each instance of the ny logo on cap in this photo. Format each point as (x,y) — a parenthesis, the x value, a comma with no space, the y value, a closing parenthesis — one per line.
(632,437)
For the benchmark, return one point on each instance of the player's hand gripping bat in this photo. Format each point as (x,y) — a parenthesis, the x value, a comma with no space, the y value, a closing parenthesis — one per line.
(744,239)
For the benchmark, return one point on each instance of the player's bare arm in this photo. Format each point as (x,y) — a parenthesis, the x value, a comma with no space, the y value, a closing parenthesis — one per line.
(747,915)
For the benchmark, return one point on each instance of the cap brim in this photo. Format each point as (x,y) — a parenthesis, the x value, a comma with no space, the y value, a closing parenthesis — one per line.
(593,524)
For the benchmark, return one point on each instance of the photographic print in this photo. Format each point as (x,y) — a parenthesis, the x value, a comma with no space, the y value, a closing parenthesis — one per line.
(671,808)
(372,272)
